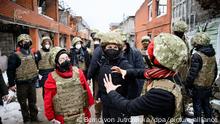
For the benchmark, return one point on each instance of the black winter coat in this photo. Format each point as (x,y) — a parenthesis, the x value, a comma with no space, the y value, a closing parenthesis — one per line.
(156,102)
(94,66)
(134,58)
(117,79)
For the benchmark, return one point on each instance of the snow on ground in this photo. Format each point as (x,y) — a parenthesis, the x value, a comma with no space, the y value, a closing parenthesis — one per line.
(10,113)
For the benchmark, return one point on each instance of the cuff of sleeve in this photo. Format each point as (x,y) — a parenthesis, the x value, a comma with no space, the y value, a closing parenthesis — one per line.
(112,92)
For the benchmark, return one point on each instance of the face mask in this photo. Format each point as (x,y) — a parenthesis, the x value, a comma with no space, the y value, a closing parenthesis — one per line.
(65,66)
(112,54)
(26,46)
(78,46)
(47,46)
(96,42)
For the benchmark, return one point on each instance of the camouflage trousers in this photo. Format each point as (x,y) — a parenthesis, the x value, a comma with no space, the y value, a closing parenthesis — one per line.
(27,92)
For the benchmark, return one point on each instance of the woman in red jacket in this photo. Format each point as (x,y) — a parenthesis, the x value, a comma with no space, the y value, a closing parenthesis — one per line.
(67,95)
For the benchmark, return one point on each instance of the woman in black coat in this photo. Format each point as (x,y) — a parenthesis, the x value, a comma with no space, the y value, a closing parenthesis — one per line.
(112,56)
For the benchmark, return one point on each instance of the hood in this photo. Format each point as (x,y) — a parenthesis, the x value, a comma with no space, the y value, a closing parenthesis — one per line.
(207,50)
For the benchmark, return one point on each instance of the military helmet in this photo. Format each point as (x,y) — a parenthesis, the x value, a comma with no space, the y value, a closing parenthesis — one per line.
(145,38)
(53,54)
(22,37)
(112,38)
(44,38)
(170,51)
(98,35)
(123,34)
(75,40)
(180,26)
(200,38)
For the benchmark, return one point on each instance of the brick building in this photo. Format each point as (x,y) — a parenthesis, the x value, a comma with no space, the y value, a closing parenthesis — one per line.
(152,18)
(37,18)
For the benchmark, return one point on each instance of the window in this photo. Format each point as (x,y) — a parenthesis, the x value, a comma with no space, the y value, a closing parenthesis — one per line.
(161,7)
(150,12)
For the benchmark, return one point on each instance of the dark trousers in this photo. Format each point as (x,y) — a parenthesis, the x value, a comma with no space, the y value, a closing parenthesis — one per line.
(42,82)
(201,98)
(112,116)
(27,92)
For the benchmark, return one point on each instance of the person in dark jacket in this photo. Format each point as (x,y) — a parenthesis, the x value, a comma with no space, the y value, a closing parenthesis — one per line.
(3,91)
(145,41)
(43,61)
(22,74)
(202,74)
(135,59)
(112,56)
(3,86)
(93,70)
(79,55)
(163,99)
(92,76)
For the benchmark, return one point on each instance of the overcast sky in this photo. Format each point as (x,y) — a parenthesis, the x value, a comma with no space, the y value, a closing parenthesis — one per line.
(100,13)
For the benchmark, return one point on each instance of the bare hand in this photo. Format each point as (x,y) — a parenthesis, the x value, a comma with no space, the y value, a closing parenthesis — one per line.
(116,69)
(54,121)
(13,88)
(108,83)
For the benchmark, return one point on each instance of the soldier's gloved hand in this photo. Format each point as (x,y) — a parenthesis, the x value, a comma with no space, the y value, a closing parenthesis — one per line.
(54,121)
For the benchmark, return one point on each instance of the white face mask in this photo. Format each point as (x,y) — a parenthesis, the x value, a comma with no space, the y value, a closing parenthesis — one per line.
(47,46)
(96,42)
(78,46)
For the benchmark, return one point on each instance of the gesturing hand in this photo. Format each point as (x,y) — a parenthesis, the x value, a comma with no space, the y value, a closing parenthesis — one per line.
(108,83)
(116,69)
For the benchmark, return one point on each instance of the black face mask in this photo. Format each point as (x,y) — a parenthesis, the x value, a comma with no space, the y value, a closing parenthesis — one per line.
(112,54)
(65,66)
(26,46)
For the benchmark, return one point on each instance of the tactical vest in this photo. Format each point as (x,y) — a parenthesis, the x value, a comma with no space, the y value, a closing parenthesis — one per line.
(184,68)
(173,88)
(28,68)
(70,98)
(206,75)
(82,65)
(44,62)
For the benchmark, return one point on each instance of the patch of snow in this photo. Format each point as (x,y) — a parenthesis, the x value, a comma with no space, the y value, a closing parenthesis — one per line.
(10,113)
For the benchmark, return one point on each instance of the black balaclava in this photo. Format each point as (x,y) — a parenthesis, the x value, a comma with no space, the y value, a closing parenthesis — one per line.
(112,54)
(65,66)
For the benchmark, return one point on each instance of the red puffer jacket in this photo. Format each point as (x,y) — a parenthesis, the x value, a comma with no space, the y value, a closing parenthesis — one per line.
(50,92)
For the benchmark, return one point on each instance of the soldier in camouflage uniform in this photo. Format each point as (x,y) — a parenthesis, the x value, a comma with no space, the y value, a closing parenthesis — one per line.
(22,74)
(179,29)
(43,63)
(145,40)
(79,55)
(163,101)
(67,95)
(202,74)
